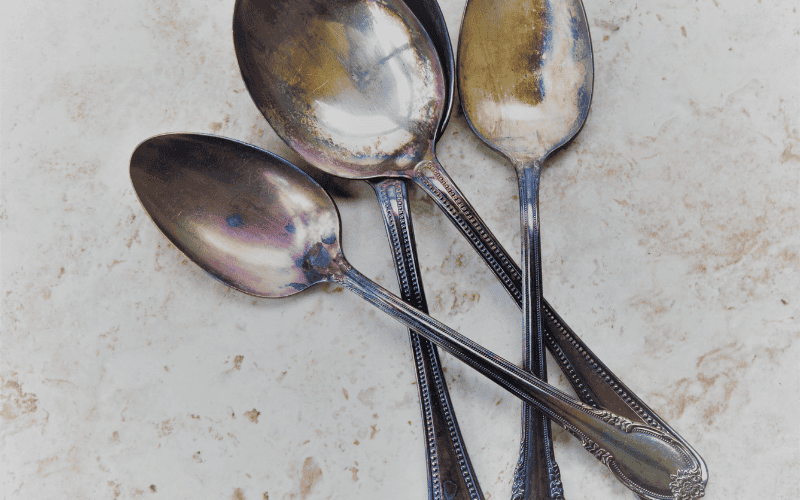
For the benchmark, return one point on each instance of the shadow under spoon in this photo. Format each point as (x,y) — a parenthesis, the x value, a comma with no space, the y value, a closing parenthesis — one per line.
(264,227)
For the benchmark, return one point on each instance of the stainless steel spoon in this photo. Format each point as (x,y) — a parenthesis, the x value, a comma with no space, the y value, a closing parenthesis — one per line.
(525,91)
(262,226)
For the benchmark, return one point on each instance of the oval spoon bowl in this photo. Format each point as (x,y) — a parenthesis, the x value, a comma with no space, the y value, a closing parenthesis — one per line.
(245,215)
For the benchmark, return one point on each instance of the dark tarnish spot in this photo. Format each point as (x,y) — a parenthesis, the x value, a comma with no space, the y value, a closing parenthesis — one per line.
(234,220)
(298,286)
(290,228)
(329,240)
(320,258)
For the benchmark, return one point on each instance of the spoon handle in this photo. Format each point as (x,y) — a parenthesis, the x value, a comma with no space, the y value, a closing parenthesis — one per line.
(591,379)
(537,476)
(647,460)
(450,473)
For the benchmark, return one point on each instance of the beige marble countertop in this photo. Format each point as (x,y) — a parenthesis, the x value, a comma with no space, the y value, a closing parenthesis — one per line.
(671,243)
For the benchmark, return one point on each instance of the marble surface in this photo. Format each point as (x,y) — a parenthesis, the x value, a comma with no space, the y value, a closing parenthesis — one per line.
(671,243)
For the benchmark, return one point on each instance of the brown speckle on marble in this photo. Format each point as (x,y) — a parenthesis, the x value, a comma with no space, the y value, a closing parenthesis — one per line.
(252,415)
(116,487)
(153,488)
(15,403)
(312,475)
(238,494)
(367,397)
(237,362)
(165,428)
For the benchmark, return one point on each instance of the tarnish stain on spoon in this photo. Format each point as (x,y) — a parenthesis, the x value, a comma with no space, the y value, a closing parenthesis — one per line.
(524,102)
(234,220)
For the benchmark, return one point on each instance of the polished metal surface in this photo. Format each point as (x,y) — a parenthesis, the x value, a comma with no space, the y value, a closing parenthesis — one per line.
(450,472)
(525,88)
(254,45)
(215,198)
(429,14)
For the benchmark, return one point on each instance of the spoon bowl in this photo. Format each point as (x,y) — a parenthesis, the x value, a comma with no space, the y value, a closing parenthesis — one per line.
(246,216)
(429,14)
(525,89)
(379,67)
(355,87)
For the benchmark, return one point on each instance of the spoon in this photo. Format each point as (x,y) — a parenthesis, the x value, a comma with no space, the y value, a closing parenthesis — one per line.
(525,91)
(537,459)
(262,226)
(450,472)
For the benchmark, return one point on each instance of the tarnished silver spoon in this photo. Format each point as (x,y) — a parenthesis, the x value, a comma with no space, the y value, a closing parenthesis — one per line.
(525,91)
(450,472)
(262,226)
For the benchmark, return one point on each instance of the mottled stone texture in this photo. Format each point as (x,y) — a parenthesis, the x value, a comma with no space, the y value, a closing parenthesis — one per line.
(671,243)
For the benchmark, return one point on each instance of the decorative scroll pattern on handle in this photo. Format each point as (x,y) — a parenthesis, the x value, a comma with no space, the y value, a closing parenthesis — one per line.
(602,455)
(555,326)
(518,485)
(446,454)
(620,423)
(556,487)
(687,484)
